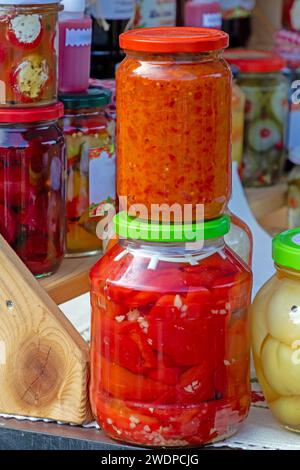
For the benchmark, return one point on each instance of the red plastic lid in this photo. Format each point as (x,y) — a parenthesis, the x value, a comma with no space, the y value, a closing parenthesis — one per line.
(255,61)
(170,39)
(43,113)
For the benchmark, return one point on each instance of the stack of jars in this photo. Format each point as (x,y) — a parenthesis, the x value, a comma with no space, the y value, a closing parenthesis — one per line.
(89,133)
(170,343)
(32,167)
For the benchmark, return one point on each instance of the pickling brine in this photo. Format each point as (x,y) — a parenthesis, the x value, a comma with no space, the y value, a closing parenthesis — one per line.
(174,108)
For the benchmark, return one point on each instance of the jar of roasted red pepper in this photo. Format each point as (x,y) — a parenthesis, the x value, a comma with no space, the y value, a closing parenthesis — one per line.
(170,343)
(89,134)
(174,115)
(28,52)
(32,185)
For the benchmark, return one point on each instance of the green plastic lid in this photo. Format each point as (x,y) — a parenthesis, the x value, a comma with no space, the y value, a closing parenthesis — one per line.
(136,229)
(286,249)
(92,98)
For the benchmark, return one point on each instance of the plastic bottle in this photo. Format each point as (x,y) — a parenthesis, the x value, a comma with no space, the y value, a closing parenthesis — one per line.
(203,13)
(75,37)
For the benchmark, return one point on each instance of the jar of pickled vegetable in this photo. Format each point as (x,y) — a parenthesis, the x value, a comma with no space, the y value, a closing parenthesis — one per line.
(89,134)
(240,239)
(28,52)
(267,93)
(276,332)
(32,185)
(170,343)
(174,113)
(238,119)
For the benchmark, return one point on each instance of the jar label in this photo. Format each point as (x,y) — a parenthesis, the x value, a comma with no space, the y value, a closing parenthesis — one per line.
(78,37)
(151,13)
(212,20)
(113,9)
(102,179)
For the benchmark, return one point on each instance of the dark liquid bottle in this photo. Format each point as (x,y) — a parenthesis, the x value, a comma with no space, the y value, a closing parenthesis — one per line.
(239,30)
(110,19)
(106,53)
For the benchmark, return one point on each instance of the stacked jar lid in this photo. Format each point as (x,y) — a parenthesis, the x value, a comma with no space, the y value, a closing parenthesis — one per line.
(32,164)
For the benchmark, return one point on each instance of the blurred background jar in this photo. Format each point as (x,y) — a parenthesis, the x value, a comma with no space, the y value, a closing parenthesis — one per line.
(110,19)
(32,186)
(276,331)
(89,134)
(28,53)
(154,13)
(237,20)
(266,116)
(238,119)
(203,14)
(291,14)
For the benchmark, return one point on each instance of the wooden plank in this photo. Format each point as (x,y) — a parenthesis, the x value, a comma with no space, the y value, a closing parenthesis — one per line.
(71,280)
(44,362)
(264,201)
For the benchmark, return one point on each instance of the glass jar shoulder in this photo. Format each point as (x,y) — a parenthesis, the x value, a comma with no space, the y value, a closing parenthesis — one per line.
(20,136)
(171,68)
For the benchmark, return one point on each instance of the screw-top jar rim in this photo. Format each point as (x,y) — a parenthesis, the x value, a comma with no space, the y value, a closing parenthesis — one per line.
(94,97)
(174,40)
(286,249)
(137,229)
(22,116)
(253,61)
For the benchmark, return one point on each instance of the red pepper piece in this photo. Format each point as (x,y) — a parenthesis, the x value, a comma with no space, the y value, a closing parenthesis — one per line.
(197,384)
(15,188)
(123,384)
(166,375)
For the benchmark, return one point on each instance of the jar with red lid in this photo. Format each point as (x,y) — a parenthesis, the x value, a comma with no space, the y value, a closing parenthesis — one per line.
(266,114)
(89,134)
(28,52)
(32,185)
(170,341)
(173,129)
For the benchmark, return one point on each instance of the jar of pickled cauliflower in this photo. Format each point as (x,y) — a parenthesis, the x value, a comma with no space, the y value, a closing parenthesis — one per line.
(275,324)
(32,185)
(28,52)
(89,134)
(173,129)
(170,342)
(266,115)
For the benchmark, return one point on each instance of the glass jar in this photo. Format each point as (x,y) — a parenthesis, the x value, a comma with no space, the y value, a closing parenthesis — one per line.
(238,120)
(291,14)
(32,185)
(28,53)
(237,20)
(174,107)
(267,93)
(276,332)
(89,134)
(240,239)
(170,345)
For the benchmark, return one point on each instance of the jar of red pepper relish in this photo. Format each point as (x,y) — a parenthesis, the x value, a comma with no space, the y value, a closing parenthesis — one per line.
(28,52)
(170,343)
(174,115)
(32,185)
(91,167)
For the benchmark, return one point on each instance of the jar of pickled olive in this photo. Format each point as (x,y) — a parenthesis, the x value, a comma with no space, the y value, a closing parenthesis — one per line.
(89,134)
(276,332)
(170,343)
(174,108)
(32,185)
(267,93)
(238,119)
(28,52)
(240,239)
